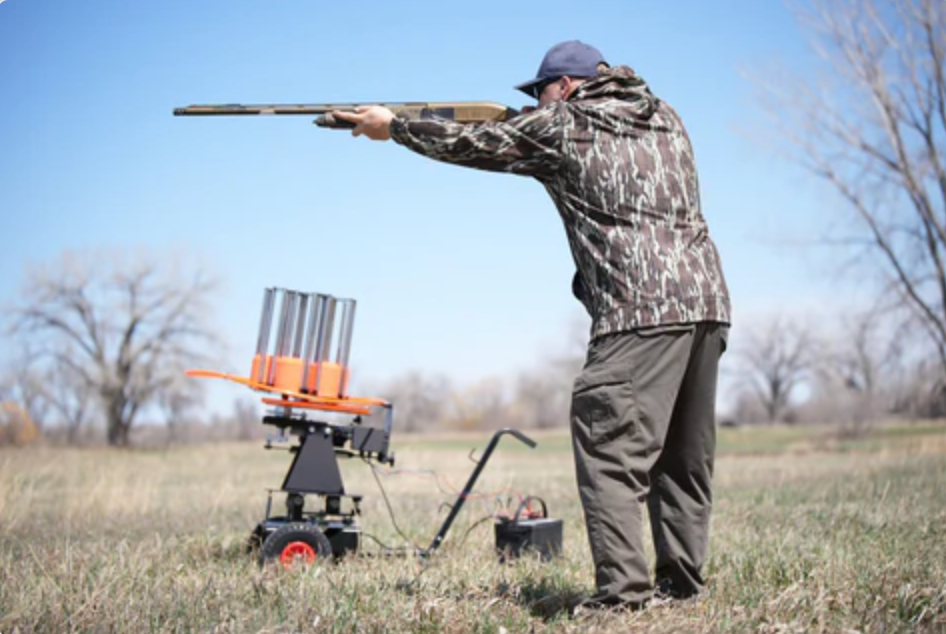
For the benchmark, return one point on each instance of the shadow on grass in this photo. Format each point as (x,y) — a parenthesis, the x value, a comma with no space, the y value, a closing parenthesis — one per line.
(548,603)
(544,598)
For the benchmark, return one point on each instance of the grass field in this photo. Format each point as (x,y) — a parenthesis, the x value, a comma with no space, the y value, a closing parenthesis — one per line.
(809,535)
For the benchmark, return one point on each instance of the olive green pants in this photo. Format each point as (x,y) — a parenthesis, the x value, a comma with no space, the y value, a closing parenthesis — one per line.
(644,430)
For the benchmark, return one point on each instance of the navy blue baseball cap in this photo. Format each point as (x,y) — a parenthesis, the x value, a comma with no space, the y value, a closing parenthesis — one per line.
(572,58)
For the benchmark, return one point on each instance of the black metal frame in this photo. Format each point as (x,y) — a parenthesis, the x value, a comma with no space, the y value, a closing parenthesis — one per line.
(315,471)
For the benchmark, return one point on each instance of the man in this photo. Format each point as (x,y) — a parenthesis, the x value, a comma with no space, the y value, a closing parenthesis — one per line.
(618,164)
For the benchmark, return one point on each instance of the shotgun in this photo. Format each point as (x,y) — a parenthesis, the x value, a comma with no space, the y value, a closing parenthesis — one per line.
(459,111)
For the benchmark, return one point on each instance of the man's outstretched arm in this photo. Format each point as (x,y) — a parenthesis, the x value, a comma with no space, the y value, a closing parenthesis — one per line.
(528,144)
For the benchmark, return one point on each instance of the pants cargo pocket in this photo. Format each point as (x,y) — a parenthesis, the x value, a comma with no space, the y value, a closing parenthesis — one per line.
(603,404)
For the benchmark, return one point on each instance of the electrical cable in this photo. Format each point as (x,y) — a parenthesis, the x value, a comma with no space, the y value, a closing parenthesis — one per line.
(387,503)
(397,528)
(495,515)
(385,547)
(443,484)
(469,530)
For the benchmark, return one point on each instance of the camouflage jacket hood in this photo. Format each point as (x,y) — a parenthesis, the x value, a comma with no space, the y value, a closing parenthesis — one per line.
(618,164)
(620,83)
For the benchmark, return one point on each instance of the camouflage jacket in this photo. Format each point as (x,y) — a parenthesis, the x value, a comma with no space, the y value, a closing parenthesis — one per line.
(619,167)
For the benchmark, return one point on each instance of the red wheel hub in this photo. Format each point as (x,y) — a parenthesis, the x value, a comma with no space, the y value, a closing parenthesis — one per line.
(297,551)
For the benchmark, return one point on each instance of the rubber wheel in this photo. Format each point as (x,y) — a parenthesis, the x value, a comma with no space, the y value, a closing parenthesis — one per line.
(256,538)
(294,544)
(255,541)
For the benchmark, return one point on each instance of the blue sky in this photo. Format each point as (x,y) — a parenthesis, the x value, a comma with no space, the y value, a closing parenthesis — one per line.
(455,271)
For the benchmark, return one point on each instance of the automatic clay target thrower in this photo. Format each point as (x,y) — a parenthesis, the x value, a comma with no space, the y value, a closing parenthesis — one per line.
(301,366)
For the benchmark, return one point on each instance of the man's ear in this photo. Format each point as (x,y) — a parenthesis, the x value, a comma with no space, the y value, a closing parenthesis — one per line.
(568,86)
(571,85)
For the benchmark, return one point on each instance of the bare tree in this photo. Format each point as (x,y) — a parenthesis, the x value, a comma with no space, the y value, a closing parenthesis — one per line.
(543,394)
(16,427)
(745,409)
(868,351)
(481,405)
(920,392)
(179,396)
(542,399)
(245,418)
(26,386)
(853,371)
(70,396)
(132,325)
(420,401)
(775,360)
(873,130)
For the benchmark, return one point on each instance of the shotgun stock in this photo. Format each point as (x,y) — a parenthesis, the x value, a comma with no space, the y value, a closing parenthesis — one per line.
(459,111)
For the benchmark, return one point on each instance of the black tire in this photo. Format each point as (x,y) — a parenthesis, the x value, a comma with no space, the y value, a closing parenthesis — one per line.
(255,541)
(294,543)
(256,538)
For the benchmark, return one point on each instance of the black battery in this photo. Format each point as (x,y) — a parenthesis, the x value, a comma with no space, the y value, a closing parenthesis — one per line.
(519,536)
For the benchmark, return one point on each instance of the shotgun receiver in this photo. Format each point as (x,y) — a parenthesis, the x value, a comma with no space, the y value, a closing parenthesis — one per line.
(459,111)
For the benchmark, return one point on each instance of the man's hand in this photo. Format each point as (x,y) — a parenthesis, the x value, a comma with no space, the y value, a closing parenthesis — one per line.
(372,121)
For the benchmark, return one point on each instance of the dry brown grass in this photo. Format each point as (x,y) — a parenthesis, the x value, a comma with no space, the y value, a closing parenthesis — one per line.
(808,537)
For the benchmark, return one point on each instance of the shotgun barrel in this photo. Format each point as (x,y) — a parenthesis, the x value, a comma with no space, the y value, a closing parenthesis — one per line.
(459,111)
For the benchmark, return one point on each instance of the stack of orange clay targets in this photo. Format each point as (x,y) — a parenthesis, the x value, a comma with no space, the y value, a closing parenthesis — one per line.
(300,370)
